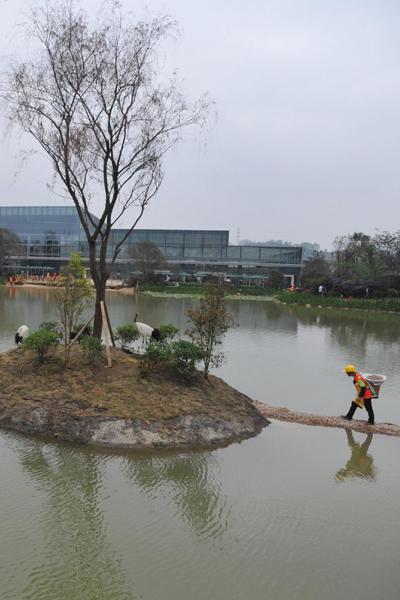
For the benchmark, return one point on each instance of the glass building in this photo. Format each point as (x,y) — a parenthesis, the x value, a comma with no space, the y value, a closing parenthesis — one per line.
(50,233)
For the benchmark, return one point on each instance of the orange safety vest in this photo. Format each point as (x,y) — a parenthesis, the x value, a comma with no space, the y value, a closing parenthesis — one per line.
(356,380)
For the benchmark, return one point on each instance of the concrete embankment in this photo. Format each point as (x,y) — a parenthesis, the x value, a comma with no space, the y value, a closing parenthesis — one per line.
(284,414)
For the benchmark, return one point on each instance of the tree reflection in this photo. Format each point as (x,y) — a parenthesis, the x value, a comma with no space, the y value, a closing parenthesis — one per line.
(192,481)
(78,562)
(360,463)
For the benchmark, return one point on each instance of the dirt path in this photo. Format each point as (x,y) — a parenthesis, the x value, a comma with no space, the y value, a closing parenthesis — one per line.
(284,414)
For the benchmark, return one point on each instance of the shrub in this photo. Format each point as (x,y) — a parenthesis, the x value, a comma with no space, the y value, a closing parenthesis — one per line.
(92,349)
(168,332)
(126,334)
(393,293)
(156,355)
(185,356)
(41,341)
(378,294)
(52,326)
(89,327)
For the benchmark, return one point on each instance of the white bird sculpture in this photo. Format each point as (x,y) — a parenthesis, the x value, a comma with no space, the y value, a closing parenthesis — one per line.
(21,334)
(146,331)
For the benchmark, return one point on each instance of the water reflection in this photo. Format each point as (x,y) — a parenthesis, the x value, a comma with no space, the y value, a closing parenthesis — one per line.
(360,463)
(192,482)
(78,560)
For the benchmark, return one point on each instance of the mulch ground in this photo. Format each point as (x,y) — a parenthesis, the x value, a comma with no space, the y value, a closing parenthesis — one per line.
(84,390)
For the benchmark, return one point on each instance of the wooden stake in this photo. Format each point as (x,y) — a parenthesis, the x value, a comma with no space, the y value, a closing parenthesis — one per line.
(109,325)
(79,333)
(103,314)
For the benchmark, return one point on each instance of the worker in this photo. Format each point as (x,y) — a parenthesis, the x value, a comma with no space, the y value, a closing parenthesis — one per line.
(292,288)
(364,395)
(11,280)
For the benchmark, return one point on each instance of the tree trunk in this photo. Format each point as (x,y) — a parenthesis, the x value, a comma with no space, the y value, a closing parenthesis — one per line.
(98,319)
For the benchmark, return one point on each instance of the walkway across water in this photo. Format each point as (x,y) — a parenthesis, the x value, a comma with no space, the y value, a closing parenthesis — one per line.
(284,414)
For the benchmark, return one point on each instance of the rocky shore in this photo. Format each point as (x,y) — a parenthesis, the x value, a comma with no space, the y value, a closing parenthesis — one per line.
(116,407)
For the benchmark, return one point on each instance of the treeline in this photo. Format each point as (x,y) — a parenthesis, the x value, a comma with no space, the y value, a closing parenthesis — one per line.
(308,247)
(359,265)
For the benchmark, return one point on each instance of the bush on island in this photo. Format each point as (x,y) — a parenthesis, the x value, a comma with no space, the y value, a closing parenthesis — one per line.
(41,341)
(126,334)
(92,349)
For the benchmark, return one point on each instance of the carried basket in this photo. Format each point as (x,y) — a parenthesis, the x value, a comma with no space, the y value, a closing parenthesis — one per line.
(375,381)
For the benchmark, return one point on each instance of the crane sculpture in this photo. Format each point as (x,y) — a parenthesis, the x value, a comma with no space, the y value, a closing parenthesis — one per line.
(146,331)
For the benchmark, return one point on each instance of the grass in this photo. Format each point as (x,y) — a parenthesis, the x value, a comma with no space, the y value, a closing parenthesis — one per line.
(384,304)
(84,390)
(196,289)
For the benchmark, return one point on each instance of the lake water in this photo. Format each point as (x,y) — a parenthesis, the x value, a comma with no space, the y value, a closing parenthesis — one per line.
(299,512)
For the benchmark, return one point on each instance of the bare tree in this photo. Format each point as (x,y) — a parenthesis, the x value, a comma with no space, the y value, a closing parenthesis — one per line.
(10,245)
(147,257)
(92,99)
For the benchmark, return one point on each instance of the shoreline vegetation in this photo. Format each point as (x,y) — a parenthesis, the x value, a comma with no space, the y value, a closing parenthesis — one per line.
(116,406)
(306,299)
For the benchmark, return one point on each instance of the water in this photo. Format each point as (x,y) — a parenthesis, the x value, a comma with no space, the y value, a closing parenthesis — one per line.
(296,513)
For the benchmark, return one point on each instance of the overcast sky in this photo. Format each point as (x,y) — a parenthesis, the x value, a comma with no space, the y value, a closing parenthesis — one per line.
(307,141)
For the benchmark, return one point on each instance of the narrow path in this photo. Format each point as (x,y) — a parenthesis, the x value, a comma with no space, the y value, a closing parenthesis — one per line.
(284,414)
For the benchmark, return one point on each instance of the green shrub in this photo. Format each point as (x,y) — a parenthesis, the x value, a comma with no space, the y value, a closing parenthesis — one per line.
(185,356)
(41,341)
(393,293)
(378,294)
(89,327)
(126,334)
(92,349)
(168,332)
(156,355)
(53,326)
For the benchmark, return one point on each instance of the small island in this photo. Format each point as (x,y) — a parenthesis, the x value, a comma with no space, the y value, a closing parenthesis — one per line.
(116,406)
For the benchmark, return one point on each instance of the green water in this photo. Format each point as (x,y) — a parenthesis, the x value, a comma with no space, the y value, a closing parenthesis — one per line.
(297,513)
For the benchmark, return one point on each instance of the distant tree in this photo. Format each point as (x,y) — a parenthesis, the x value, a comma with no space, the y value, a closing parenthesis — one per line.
(210,321)
(387,246)
(93,100)
(354,255)
(276,279)
(316,271)
(10,245)
(308,247)
(147,258)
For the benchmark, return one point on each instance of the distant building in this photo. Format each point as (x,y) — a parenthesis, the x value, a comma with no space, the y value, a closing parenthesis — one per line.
(51,233)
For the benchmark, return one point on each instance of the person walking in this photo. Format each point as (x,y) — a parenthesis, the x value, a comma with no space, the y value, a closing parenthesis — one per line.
(364,395)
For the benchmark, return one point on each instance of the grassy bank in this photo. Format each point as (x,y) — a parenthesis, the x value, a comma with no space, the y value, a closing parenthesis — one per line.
(384,304)
(196,289)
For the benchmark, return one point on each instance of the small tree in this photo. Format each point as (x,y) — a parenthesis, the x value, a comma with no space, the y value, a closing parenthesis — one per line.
(73,296)
(147,257)
(10,245)
(210,321)
(276,280)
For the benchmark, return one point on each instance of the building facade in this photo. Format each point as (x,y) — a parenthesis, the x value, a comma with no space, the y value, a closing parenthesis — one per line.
(50,233)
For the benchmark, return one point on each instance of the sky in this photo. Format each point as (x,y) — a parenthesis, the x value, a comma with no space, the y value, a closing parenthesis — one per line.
(306,144)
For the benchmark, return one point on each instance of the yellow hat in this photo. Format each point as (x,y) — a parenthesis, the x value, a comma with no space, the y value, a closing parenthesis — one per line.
(350,369)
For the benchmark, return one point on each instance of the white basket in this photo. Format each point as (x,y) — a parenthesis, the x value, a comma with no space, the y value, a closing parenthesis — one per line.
(374,384)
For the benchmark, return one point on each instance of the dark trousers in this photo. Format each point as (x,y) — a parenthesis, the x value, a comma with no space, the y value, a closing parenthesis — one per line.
(368,408)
